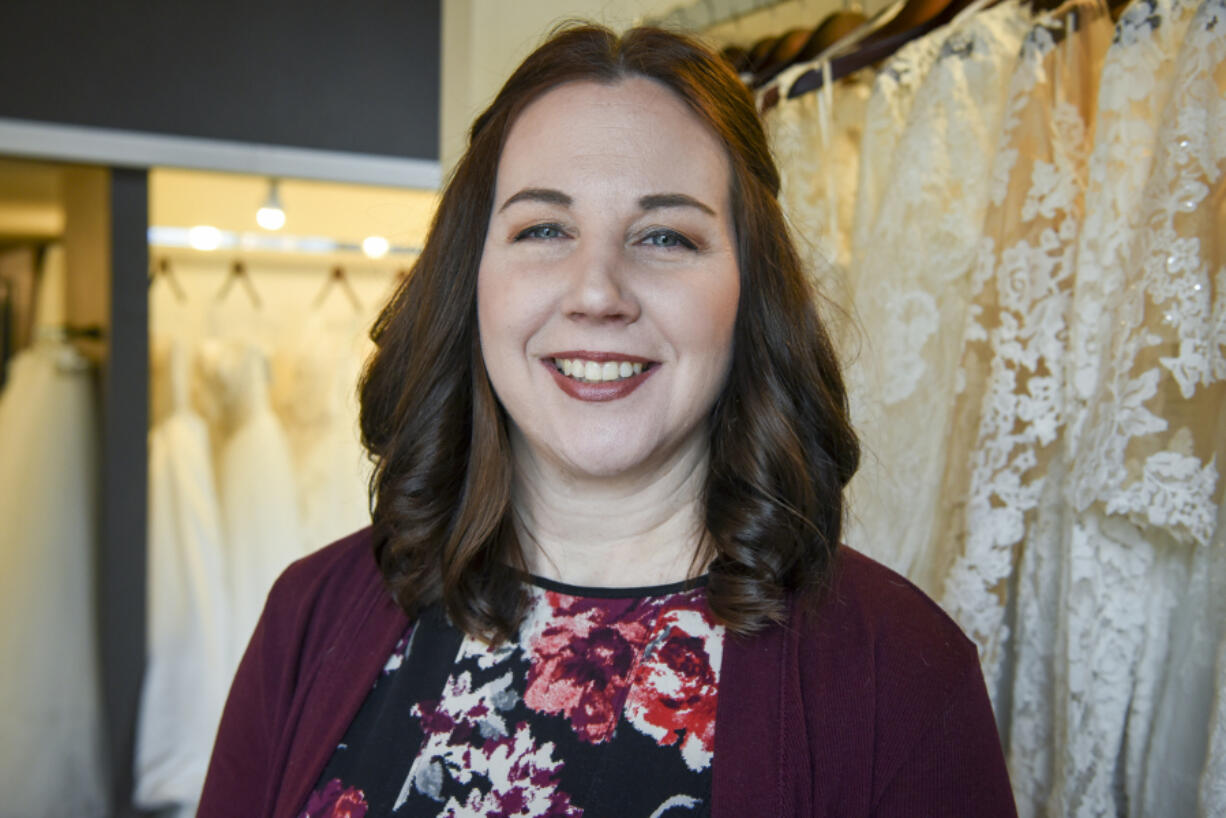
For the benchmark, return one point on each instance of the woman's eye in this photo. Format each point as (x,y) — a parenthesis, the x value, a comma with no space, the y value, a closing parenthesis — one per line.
(667,239)
(540,231)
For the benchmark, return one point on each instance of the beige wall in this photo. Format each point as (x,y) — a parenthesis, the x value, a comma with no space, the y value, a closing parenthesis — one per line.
(483,41)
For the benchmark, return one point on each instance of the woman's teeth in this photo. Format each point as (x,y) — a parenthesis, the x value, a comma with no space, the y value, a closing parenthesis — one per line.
(594,372)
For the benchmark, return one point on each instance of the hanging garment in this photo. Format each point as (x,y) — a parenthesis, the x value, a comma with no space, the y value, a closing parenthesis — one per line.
(816,141)
(51,757)
(885,116)
(1212,795)
(316,371)
(1143,400)
(911,284)
(186,676)
(1179,490)
(255,479)
(1001,506)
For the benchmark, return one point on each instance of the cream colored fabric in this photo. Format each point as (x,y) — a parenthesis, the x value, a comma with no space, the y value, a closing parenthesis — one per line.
(911,282)
(51,753)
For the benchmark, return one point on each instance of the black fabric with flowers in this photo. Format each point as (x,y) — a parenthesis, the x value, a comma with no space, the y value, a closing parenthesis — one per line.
(604,705)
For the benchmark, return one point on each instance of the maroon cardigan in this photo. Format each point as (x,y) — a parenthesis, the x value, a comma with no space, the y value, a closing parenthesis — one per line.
(876,706)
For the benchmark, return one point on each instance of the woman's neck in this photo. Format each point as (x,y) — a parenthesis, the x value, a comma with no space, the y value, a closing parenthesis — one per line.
(611,533)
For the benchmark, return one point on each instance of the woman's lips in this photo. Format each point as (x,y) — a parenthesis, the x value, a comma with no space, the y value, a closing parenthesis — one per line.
(602,390)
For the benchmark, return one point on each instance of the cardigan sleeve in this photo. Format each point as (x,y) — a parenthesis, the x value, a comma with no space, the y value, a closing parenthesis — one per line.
(957,768)
(326,629)
(243,755)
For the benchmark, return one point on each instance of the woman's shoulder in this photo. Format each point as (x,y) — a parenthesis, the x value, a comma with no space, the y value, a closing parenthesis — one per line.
(887,603)
(872,622)
(350,561)
(320,592)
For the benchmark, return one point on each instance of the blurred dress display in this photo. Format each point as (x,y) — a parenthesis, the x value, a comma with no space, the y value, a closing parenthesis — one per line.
(188,612)
(255,482)
(51,743)
(1037,367)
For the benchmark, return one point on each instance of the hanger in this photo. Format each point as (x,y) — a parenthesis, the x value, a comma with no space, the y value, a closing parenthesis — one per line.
(337,275)
(759,52)
(884,41)
(786,49)
(833,28)
(836,26)
(238,272)
(839,33)
(163,270)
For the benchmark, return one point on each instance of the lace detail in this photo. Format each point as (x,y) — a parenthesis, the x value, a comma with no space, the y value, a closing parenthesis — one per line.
(1145,391)
(1005,491)
(816,142)
(911,282)
(1148,448)
(885,117)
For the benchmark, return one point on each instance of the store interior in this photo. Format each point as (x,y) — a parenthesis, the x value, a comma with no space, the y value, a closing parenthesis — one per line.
(194,326)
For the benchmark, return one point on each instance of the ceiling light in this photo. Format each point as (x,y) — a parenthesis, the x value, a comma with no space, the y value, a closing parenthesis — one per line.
(271,216)
(204,237)
(375,246)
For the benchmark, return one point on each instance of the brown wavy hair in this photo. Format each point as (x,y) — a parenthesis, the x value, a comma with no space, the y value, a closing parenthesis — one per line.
(781,447)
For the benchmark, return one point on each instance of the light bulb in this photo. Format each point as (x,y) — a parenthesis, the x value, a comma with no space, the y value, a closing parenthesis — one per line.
(271,216)
(375,246)
(204,237)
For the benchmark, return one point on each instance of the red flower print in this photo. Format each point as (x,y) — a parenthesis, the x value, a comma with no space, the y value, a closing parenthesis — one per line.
(674,690)
(581,660)
(336,801)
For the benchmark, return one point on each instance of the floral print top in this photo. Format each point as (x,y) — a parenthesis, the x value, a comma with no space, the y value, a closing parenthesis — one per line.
(603,705)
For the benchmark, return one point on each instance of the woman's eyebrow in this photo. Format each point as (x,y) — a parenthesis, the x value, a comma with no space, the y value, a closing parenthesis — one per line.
(656,201)
(538,194)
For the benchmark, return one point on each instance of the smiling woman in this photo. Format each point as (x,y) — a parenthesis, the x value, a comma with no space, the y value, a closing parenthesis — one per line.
(604,575)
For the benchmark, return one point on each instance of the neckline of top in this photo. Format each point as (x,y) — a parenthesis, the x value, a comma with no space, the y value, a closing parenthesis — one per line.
(616,593)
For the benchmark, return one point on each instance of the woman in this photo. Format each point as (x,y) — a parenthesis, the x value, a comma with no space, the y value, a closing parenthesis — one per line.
(604,575)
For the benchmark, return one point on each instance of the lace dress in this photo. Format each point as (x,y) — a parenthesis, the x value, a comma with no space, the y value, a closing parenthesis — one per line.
(885,116)
(1145,394)
(910,287)
(816,141)
(1000,516)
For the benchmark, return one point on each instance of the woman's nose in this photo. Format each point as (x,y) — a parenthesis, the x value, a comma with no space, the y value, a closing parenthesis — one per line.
(599,287)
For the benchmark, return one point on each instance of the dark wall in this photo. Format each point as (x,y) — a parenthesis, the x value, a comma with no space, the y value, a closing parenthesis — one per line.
(359,76)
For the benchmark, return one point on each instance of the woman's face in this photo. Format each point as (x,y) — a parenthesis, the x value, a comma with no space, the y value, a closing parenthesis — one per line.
(608,284)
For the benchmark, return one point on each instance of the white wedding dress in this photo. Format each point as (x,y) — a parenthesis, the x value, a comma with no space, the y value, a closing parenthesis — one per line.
(255,481)
(910,288)
(816,141)
(186,674)
(316,370)
(51,751)
(1001,504)
(1145,399)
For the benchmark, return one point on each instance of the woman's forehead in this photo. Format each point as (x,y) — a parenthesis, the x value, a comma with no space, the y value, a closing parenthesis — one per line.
(634,131)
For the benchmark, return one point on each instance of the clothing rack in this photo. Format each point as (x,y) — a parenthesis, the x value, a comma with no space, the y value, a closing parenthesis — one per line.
(704,14)
(182,238)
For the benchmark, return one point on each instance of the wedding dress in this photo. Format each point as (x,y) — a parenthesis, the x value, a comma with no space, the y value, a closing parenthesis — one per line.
(255,479)
(1145,393)
(816,141)
(1001,505)
(316,370)
(885,116)
(51,753)
(910,287)
(186,677)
